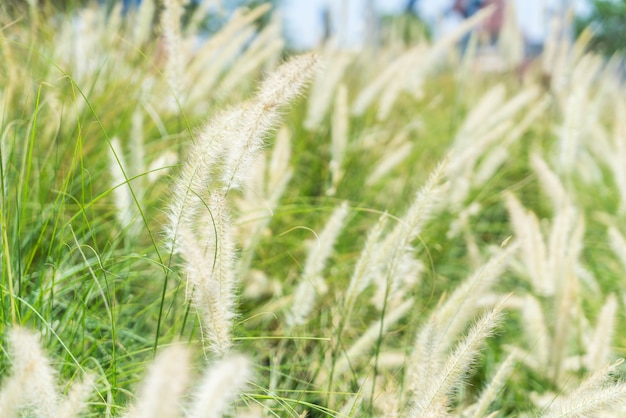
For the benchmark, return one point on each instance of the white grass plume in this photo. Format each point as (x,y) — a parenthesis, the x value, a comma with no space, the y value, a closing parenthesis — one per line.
(31,388)
(397,153)
(220,386)
(408,71)
(163,386)
(599,345)
(537,334)
(209,255)
(395,249)
(312,283)
(199,220)
(597,393)
(75,403)
(265,47)
(359,349)
(143,22)
(362,275)
(432,396)
(326,82)
(280,88)
(452,316)
(445,324)
(339,138)
(219,53)
(549,182)
(617,243)
(270,184)
(32,384)
(170,26)
(126,212)
(492,390)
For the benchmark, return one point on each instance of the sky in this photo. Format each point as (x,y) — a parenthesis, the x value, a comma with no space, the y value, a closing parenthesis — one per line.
(304,24)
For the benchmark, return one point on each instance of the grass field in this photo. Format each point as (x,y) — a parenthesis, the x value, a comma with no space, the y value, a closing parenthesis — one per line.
(213,227)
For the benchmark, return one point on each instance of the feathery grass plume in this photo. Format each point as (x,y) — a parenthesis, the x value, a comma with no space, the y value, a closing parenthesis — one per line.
(220,53)
(599,345)
(216,62)
(142,29)
(75,403)
(619,151)
(426,358)
(617,243)
(199,171)
(578,113)
(445,324)
(326,83)
(32,384)
(537,335)
(31,387)
(510,38)
(564,248)
(339,138)
(360,348)
(395,250)
(221,385)
(137,162)
(432,397)
(597,393)
(312,283)
(215,154)
(122,196)
(80,44)
(279,167)
(493,388)
(369,94)
(533,247)
(210,268)
(560,56)
(549,182)
(265,47)
(362,275)
(278,89)
(171,16)
(453,315)
(199,221)
(497,156)
(408,70)
(474,155)
(399,150)
(273,180)
(162,388)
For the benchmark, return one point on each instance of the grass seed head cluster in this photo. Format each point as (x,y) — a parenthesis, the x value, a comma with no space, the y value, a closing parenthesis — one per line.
(203,227)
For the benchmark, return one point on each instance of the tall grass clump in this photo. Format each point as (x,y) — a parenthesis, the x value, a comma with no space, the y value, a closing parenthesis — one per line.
(196,222)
